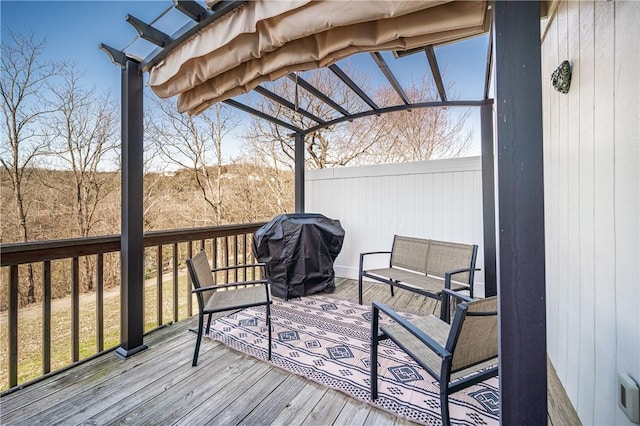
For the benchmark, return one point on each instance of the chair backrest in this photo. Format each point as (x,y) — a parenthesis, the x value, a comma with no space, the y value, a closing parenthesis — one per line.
(445,256)
(201,276)
(474,333)
(409,253)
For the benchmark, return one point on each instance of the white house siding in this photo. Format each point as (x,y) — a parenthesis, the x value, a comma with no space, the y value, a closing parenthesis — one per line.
(592,206)
(439,199)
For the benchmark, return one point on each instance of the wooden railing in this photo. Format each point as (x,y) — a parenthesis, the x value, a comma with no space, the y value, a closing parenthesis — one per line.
(227,245)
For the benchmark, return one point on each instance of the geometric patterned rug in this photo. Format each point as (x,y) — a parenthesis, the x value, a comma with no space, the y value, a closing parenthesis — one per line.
(327,340)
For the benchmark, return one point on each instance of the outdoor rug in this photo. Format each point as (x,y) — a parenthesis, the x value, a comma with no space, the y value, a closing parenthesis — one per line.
(327,340)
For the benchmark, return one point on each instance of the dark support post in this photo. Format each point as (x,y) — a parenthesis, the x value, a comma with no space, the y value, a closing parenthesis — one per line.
(132,248)
(488,201)
(520,193)
(299,172)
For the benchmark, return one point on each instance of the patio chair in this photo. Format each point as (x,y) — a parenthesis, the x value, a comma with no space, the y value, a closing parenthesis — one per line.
(457,355)
(234,296)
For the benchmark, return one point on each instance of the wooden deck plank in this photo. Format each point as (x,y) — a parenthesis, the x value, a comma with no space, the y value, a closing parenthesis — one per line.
(236,398)
(296,412)
(213,392)
(353,412)
(328,408)
(74,390)
(159,386)
(273,404)
(93,394)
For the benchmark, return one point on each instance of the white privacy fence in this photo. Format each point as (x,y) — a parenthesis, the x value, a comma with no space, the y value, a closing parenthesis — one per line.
(439,199)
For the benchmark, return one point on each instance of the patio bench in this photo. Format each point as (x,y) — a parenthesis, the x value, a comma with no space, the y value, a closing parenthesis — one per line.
(425,267)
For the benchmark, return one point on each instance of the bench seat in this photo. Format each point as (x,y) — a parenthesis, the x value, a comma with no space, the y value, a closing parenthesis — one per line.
(425,267)
(410,280)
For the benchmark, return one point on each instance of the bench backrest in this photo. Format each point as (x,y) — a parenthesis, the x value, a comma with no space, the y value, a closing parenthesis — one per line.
(433,257)
(409,253)
(445,256)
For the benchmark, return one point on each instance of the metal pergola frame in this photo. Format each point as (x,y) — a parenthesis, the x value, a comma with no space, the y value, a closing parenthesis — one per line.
(513,241)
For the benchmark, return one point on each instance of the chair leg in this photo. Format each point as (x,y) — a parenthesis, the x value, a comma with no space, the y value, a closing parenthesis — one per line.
(269,330)
(373,361)
(444,404)
(198,339)
(391,288)
(360,287)
(209,324)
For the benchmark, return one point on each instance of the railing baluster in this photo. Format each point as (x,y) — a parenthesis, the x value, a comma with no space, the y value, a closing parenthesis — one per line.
(175,282)
(214,251)
(235,256)
(189,255)
(244,256)
(226,258)
(13,326)
(75,309)
(46,316)
(100,302)
(159,285)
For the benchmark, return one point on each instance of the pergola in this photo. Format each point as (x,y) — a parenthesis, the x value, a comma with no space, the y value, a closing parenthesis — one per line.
(233,46)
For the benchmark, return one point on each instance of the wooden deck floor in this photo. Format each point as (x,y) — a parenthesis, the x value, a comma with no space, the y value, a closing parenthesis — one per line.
(159,386)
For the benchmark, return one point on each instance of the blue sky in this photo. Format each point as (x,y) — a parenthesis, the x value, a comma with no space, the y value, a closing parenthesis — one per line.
(74,29)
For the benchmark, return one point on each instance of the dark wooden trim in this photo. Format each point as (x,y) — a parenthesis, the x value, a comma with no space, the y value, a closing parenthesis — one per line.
(175,282)
(13,326)
(132,228)
(46,317)
(159,275)
(100,302)
(521,285)
(75,309)
(299,172)
(188,289)
(488,201)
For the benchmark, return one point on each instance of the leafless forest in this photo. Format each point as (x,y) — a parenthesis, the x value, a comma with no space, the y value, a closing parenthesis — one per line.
(60,154)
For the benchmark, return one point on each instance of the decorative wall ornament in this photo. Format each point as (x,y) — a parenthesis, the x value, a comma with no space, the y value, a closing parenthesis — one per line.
(561,77)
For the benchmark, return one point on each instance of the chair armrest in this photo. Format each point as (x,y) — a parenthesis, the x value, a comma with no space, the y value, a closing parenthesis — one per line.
(229,268)
(221,286)
(457,295)
(411,328)
(460,271)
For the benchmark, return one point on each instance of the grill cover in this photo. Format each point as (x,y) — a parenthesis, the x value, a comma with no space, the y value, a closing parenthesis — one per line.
(299,250)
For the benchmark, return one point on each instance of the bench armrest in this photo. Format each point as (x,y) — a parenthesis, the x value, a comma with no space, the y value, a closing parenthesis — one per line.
(460,271)
(411,328)
(362,255)
(374,252)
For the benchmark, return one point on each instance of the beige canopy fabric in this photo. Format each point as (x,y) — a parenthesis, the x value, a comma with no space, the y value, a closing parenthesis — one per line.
(265,40)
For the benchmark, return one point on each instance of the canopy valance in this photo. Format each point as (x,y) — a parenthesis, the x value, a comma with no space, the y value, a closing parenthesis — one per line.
(265,40)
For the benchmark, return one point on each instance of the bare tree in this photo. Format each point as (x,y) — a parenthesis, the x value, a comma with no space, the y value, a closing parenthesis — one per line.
(415,135)
(195,143)
(24,78)
(420,134)
(327,147)
(81,134)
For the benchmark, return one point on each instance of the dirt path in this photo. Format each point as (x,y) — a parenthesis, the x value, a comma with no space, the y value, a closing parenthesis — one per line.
(57,305)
